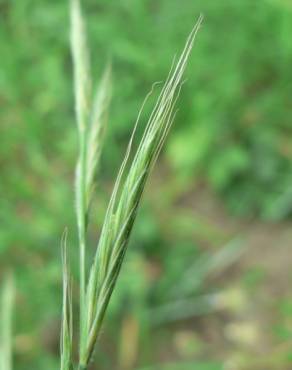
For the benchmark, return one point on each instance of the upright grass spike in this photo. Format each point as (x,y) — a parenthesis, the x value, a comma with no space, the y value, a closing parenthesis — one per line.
(67,314)
(124,203)
(7,301)
(91,117)
(82,87)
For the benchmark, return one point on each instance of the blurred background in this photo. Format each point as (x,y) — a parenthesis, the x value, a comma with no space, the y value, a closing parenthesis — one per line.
(206,282)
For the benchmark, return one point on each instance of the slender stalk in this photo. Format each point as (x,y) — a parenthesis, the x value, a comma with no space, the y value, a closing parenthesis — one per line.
(6,324)
(66,342)
(82,215)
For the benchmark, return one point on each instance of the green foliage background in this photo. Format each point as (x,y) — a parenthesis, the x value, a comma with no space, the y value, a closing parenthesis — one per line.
(232,133)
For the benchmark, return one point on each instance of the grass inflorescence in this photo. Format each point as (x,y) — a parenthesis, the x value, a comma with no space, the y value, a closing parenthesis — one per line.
(91,113)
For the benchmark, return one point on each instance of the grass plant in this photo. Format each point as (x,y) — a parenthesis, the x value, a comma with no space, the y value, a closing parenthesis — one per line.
(97,285)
